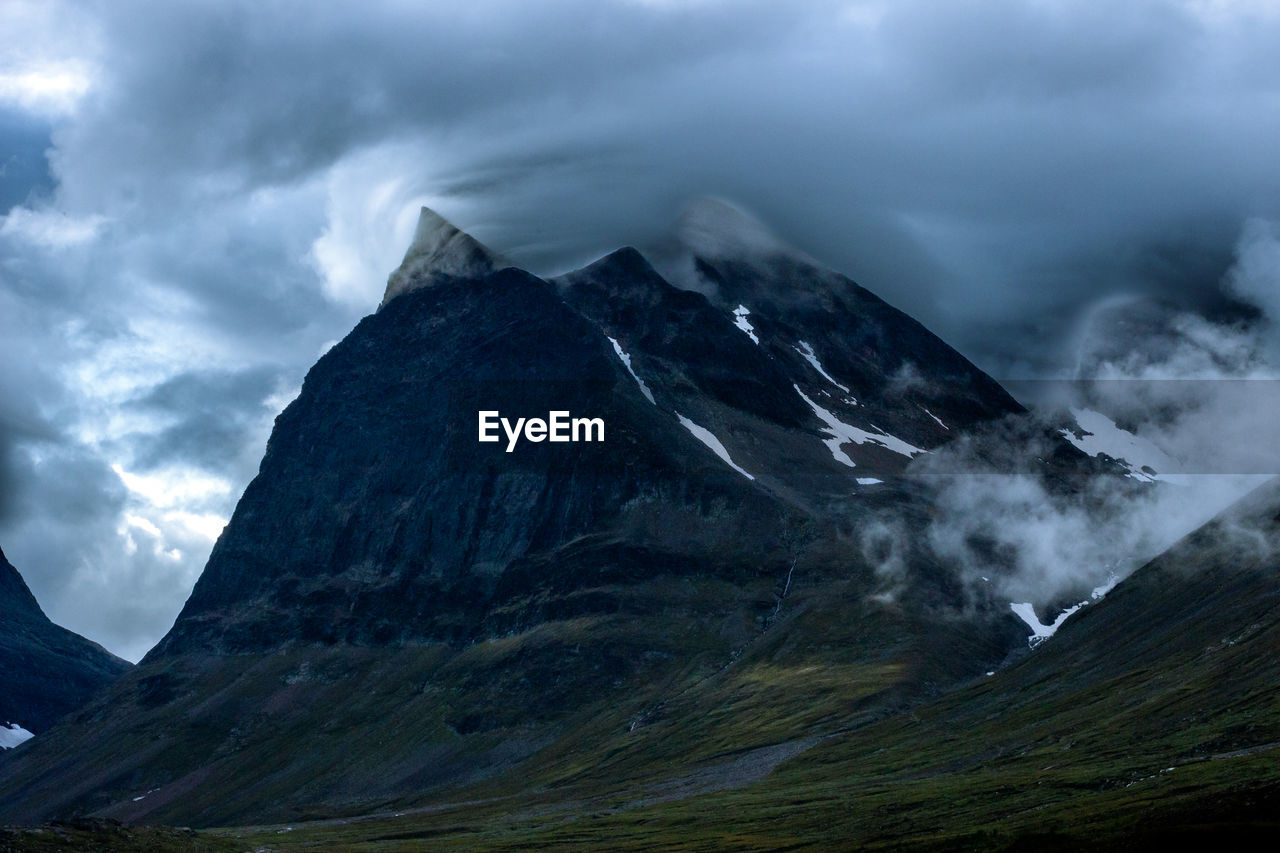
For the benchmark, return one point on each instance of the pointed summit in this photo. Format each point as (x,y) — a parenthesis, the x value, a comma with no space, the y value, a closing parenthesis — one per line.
(19,603)
(439,249)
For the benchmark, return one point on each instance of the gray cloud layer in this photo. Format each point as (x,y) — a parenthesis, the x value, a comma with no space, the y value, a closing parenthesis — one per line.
(230,191)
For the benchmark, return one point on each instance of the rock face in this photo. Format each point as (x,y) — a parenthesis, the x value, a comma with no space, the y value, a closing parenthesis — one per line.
(48,671)
(392,588)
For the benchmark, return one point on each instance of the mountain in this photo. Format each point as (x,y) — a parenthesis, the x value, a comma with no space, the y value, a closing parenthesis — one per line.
(398,609)
(48,670)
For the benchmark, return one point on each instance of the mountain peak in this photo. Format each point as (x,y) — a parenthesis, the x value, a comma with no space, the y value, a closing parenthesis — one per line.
(439,250)
(48,670)
(16,596)
(628,259)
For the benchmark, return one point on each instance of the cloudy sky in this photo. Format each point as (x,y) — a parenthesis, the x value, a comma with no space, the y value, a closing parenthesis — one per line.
(197,198)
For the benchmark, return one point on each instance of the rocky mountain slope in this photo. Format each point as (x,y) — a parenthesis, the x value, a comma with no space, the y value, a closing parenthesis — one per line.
(1148,721)
(397,608)
(47,670)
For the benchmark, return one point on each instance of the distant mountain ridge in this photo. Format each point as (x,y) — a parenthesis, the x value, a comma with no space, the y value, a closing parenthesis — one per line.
(48,671)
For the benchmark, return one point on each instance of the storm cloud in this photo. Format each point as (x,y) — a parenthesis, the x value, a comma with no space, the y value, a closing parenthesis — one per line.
(224,186)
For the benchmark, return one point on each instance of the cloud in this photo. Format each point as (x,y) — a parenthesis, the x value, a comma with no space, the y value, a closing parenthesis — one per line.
(23,171)
(1201,395)
(1013,529)
(1206,391)
(49,229)
(54,89)
(1255,276)
(209,418)
(1050,131)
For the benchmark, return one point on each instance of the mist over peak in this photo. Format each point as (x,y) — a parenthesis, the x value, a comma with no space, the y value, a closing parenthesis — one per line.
(716,228)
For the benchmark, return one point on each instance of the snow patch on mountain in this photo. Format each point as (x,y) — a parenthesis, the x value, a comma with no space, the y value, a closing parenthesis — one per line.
(1041,632)
(626,362)
(706,437)
(936,418)
(1106,587)
(740,320)
(1144,460)
(12,734)
(810,356)
(841,432)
